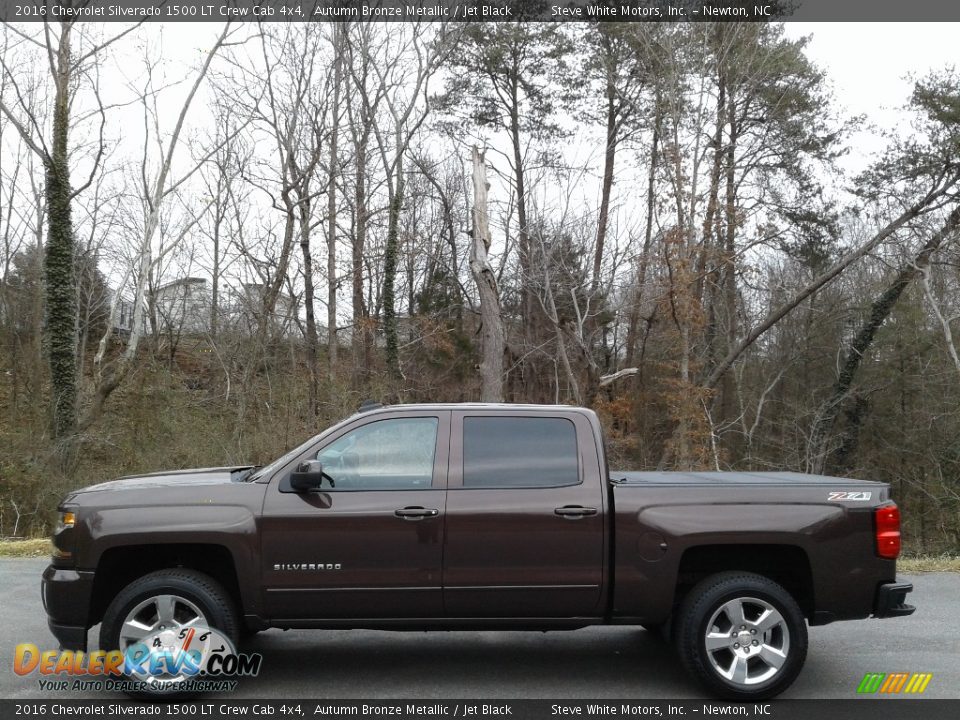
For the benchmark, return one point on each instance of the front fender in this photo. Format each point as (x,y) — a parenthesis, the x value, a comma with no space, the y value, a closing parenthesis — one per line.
(233,527)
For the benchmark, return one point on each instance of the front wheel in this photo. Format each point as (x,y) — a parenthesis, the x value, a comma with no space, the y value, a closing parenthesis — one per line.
(742,636)
(167,612)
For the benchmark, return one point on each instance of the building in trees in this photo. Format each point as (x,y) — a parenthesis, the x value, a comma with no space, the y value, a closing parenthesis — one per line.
(124,316)
(183,305)
(246,308)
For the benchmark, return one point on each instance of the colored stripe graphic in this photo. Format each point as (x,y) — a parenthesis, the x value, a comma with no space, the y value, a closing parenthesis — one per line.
(894,683)
(923,679)
(871,682)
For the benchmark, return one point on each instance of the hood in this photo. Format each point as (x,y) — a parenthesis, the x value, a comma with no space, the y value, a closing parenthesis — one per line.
(171,478)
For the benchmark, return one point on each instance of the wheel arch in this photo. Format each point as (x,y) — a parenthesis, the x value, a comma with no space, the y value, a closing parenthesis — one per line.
(121,565)
(787,565)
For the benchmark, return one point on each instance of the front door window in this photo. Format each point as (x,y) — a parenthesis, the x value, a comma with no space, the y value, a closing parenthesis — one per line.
(394,454)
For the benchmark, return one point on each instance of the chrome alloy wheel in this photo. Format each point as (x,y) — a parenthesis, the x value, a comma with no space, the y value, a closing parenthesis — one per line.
(199,620)
(165,615)
(747,641)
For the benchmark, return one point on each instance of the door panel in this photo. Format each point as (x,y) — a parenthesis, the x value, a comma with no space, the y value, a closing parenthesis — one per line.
(370,547)
(524,551)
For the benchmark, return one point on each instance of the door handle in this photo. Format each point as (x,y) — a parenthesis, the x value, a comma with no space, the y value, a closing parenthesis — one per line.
(574,511)
(416,513)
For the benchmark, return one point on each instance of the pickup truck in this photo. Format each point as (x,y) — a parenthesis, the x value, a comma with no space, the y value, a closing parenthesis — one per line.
(481,516)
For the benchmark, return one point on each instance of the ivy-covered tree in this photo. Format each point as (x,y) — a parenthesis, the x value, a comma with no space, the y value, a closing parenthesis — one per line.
(67,68)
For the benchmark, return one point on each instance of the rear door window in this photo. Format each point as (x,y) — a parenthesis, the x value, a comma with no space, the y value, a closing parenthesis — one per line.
(500,452)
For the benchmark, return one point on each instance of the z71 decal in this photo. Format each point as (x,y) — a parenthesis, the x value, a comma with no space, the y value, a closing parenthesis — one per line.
(850,496)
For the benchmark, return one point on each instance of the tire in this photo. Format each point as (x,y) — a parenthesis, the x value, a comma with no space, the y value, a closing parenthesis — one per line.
(756,632)
(196,598)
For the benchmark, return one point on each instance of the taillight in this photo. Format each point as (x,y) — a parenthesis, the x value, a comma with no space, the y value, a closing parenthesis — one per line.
(886,522)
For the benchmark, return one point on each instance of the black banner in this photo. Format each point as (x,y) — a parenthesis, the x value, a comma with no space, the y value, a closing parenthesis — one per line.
(854,709)
(476,10)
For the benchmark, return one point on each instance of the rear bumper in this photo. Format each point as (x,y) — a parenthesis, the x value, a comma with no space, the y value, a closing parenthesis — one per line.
(66,598)
(890,600)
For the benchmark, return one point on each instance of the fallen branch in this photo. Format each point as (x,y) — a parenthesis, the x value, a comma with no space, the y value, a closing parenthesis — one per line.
(613,377)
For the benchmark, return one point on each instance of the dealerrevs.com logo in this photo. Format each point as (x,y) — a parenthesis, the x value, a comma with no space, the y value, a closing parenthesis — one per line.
(194,659)
(894,683)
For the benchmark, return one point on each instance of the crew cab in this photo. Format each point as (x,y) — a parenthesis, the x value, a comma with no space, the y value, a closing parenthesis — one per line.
(481,516)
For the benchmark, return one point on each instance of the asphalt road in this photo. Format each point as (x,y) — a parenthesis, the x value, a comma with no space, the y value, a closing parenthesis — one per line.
(593,663)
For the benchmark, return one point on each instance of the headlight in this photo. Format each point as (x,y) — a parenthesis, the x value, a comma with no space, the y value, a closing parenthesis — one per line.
(67,519)
(63,536)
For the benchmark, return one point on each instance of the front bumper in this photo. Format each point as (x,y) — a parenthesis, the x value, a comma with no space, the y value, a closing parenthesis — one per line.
(66,597)
(890,600)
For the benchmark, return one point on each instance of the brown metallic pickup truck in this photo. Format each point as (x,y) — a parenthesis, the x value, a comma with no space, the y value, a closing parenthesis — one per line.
(415,517)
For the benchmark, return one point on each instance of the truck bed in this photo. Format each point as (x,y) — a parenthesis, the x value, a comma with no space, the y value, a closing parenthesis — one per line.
(712,479)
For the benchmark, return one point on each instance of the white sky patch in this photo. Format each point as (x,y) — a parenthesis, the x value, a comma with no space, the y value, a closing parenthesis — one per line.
(869,64)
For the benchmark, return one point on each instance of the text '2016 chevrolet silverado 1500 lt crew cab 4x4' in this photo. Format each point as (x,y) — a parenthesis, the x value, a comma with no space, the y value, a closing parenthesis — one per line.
(480,516)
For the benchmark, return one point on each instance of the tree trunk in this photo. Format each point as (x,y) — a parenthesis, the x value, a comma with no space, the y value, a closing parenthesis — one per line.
(390,275)
(634,322)
(361,354)
(728,386)
(529,314)
(59,259)
(609,159)
(492,337)
(308,290)
(273,288)
(333,343)
(706,273)
(219,213)
(711,226)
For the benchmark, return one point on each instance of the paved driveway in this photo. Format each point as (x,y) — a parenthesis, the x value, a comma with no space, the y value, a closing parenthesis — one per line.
(594,663)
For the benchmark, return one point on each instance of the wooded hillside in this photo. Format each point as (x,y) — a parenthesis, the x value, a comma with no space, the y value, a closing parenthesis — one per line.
(209,256)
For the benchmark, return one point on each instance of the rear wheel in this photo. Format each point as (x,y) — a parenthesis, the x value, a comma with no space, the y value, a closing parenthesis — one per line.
(742,636)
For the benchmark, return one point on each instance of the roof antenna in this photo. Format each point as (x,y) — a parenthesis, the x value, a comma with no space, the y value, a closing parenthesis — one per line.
(368,405)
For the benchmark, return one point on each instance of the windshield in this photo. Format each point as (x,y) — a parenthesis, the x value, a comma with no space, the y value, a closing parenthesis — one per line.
(283,460)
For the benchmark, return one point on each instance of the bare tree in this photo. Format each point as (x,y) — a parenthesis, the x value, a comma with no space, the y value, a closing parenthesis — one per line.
(363,99)
(156,190)
(333,171)
(290,107)
(492,339)
(405,96)
(942,319)
(221,178)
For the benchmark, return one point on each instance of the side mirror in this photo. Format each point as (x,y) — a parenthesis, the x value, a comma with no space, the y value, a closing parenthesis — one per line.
(308,476)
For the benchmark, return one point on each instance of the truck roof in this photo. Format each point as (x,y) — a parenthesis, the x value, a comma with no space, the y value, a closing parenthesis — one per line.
(506,407)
